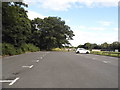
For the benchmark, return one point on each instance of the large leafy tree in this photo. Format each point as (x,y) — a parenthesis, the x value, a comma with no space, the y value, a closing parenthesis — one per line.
(115,45)
(105,45)
(16,25)
(50,32)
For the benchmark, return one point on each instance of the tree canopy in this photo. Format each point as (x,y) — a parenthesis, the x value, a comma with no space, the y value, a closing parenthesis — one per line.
(16,25)
(50,32)
(47,33)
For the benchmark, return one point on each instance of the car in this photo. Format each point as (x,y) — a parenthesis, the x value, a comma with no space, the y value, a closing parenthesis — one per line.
(82,50)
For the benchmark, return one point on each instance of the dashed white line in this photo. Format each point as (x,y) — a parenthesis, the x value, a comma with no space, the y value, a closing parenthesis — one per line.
(14,81)
(93,58)
(27,66)
(37,61)
(106,61)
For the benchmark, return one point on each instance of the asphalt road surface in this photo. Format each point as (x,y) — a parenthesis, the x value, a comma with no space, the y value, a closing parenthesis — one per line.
(59,70)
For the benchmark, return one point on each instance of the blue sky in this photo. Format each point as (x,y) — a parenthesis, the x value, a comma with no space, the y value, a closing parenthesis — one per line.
(94,21)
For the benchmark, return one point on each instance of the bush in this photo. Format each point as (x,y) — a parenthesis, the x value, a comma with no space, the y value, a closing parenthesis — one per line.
(32,48)
(19,51)
(29,47)
(0,48)
(56,49)
(8,49)
(24,47)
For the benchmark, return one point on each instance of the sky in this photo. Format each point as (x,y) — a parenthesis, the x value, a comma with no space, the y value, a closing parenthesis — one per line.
(93,21)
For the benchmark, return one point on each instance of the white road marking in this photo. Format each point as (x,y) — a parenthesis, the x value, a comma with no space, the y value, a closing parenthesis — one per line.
(106,61)
(9,81)
(14,81)
(93,58)
(37,61)
(31,66)
(5,81)
(27,66)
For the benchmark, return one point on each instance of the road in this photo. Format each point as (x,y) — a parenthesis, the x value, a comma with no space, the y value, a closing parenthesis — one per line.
(60,70)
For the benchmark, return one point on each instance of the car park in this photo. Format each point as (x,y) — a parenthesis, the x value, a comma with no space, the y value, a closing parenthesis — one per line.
(82,50)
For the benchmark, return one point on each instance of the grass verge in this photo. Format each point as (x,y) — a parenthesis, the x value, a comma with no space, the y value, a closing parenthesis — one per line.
(106,53)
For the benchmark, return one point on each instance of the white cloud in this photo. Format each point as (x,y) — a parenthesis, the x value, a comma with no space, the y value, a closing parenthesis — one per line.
(66,4)
(105,23)
(32,15)
(116,29)
(82,36)
(98,28)
(92,28)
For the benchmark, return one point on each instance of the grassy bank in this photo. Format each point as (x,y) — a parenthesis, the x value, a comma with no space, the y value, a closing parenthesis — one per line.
(106,53)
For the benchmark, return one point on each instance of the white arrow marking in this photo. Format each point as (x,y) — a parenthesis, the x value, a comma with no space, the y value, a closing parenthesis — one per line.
(14,81)
(9,81)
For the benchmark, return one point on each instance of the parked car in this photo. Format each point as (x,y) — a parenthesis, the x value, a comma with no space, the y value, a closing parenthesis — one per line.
(82,50)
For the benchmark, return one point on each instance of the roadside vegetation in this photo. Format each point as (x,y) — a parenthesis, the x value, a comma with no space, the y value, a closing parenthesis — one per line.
(103,49)
(106,53)
(104,46)
(20,34)
(65,49)
(9,49)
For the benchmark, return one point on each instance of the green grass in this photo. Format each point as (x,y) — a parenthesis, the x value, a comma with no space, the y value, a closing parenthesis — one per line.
(106,53)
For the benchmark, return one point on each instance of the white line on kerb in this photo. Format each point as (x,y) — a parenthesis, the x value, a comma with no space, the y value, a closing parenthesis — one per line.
(14,81)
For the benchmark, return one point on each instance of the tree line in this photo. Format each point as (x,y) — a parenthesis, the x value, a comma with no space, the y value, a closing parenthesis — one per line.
(103,46)
(19,31)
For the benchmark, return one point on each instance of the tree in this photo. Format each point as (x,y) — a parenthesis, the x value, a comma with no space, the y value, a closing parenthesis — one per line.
(115,45)
(16,25)
(105,45)
(51,32)
(87,45)
(80,46)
